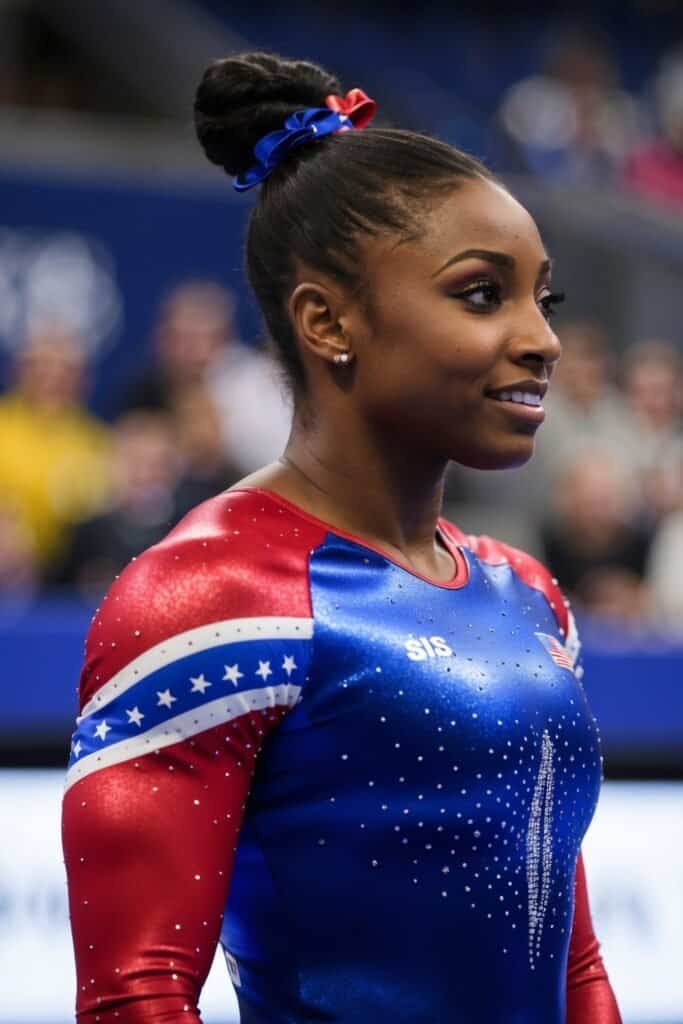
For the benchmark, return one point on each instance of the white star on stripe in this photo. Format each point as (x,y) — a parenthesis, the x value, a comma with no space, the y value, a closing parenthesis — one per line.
(207,715)
(135,716)
(77,748)
(199,683)
(102,730)
(264,670)
(166,698)
(232,673)
(289,664)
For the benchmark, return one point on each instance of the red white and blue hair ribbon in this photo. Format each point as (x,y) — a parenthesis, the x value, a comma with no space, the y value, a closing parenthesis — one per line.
(355,110)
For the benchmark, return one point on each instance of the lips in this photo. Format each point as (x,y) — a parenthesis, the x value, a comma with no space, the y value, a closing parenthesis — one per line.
(520,397)
(522,400)
(526,392)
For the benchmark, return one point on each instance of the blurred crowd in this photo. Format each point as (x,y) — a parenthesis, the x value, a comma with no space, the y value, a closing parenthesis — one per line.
(80,497)
(601,502)
(594,108)
(574,121)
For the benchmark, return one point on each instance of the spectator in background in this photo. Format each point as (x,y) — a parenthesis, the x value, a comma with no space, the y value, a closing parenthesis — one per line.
(665,564)
(195,323)
(653,382)
(584,406)
(196,343)
(54,453)
(653,386)
(655,170)
(573,121)
(591,543)
(146,470)
(206,470)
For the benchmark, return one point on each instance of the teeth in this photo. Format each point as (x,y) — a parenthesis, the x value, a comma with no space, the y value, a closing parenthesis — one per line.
(520,397)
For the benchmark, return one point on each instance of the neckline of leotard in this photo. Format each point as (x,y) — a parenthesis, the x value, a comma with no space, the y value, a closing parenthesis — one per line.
(460,575)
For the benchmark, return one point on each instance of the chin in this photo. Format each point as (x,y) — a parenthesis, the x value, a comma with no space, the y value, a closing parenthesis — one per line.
(503,457)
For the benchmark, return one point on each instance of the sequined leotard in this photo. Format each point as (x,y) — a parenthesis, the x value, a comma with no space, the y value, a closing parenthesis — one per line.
(383,781)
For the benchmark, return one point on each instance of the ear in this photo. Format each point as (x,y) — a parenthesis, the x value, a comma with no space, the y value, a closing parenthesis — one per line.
(318,312)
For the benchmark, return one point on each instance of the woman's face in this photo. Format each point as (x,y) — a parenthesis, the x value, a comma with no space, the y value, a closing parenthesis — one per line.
(453,346)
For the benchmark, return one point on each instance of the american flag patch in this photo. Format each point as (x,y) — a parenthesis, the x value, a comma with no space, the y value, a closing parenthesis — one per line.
(557,651)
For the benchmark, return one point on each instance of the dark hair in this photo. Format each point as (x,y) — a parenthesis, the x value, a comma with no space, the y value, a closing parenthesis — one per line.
(324,196)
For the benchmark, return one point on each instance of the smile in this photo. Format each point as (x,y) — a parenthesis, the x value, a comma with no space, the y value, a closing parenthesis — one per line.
(519,397)
(522,406)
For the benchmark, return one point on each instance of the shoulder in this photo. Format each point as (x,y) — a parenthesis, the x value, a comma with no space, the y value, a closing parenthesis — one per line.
(527,568)
(237,556)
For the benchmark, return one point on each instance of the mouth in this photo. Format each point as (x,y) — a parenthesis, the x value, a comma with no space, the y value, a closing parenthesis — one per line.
(524,401)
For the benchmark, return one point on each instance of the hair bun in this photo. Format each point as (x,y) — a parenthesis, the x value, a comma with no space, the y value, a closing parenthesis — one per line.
(240,99)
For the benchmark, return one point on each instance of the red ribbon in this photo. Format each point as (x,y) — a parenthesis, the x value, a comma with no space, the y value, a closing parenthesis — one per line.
(355,105)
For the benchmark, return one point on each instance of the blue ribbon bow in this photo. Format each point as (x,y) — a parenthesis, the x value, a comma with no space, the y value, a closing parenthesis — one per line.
(302,126)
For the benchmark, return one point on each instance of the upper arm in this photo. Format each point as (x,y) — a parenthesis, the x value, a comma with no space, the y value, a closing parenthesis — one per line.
(163,758)
(148,851)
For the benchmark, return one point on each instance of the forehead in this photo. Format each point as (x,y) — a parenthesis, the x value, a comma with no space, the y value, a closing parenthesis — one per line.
(477,214)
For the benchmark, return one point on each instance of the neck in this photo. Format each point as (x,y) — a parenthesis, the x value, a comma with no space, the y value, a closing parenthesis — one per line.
(367,484)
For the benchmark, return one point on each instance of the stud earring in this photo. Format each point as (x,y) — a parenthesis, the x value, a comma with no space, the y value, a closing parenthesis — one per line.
(341,358)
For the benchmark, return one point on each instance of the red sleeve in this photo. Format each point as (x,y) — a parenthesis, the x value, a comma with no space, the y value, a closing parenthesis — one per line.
(590,999)
(148,851)
(149,840)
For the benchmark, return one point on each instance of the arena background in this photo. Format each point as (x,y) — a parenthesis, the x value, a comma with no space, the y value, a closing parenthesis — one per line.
(120,266)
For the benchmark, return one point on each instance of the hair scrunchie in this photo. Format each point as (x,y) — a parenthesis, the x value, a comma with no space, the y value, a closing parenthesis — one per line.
(341,113)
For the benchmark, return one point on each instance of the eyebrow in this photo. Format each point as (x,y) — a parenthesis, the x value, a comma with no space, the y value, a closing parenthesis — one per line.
(499,259)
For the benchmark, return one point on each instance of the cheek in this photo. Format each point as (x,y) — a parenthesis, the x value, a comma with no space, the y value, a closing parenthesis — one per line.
(422,391)
(432,348)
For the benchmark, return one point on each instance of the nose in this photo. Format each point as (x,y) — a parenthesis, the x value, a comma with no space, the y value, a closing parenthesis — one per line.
(536,345)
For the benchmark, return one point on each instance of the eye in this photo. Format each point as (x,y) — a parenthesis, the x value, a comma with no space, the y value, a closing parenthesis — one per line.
(548,303)
(483,295)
